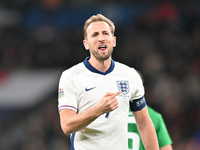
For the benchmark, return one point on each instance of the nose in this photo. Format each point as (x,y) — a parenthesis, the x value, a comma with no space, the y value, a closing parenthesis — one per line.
(101,38)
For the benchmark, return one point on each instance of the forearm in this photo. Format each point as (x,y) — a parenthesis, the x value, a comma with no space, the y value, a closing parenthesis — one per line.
(72,122)
(146,129)
(148,136)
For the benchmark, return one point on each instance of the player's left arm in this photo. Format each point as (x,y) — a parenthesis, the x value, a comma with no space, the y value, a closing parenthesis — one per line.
(146,129)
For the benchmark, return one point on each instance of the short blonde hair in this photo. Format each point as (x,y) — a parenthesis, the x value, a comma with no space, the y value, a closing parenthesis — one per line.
(98,17)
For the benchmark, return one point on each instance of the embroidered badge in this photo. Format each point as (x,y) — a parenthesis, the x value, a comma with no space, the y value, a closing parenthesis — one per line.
(61,93)
(123,87)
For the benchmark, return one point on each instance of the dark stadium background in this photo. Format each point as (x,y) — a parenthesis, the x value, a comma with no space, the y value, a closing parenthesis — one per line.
(41,38)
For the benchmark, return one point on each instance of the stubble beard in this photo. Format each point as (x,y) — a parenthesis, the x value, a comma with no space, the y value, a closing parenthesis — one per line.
(101,57)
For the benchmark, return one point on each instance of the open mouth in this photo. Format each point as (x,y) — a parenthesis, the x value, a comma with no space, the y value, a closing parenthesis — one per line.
(102,47)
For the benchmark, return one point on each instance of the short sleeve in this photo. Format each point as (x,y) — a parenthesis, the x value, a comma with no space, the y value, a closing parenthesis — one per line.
(137,100)
(67,98)
(138,88)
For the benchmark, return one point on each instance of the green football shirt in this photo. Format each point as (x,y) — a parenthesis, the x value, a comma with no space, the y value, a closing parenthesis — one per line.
(134,139)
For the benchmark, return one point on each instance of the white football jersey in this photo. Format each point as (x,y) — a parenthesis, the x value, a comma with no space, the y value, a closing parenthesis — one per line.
(82,86)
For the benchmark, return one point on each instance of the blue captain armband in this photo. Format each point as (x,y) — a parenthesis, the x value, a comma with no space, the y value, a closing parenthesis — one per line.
(137,104)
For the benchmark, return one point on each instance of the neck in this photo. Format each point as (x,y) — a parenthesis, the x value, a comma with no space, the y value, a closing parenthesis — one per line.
(102,66)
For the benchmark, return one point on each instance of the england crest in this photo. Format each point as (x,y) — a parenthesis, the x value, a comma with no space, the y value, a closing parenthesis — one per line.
(123,87)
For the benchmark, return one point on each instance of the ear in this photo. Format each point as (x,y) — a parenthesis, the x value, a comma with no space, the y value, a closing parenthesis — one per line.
(86,44)
(114,41)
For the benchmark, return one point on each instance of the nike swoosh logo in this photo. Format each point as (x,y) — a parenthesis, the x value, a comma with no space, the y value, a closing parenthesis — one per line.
(86,89)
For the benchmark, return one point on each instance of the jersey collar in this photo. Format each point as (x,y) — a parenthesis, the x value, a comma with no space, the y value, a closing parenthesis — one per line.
(91,68)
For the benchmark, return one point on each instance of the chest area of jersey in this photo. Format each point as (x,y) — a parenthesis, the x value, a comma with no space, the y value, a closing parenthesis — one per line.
(108,85)
(92,89)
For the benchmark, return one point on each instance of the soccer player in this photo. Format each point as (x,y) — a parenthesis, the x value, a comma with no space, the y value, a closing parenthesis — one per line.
(134,139)
(94,95)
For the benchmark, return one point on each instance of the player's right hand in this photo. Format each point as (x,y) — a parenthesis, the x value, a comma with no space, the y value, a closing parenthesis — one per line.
(108,102)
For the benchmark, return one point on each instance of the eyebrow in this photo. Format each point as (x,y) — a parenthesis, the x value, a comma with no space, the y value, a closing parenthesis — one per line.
(95,32)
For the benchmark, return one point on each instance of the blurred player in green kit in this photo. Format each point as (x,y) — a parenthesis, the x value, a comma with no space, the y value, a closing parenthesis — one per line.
(134,139)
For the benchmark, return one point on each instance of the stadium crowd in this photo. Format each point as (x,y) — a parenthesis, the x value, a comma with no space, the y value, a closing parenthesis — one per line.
(161,39)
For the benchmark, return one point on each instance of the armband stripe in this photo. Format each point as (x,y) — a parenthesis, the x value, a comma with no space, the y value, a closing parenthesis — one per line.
(67,106)
(137,104)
